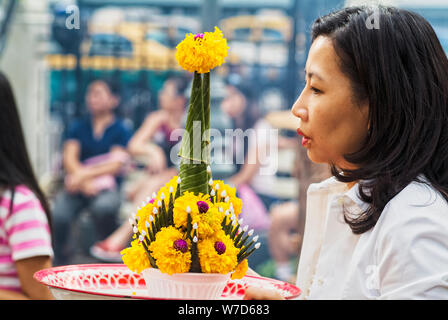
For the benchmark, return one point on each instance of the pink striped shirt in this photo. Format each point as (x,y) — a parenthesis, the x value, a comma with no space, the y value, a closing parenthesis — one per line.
(24,233)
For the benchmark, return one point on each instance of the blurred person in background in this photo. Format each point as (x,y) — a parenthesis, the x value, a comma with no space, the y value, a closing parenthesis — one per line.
(152,144)
(94,154)
(25,220)
(239,104)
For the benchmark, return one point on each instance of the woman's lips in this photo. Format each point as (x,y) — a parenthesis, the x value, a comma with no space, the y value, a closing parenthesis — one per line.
(305,139)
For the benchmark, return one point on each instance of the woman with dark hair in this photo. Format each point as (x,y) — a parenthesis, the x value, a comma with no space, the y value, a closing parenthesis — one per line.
(25,237)
(375,108)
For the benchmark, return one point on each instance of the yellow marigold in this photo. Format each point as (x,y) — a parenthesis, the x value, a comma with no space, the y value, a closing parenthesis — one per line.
(202,52)
(219,186)
(217,254)
(164,192)
(241,269)
(171,251)
(144,213)
(173,183)
(237,205)
(188,202)
(209,222)
(135,257)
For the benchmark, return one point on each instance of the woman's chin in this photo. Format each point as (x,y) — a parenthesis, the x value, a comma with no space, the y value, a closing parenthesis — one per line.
(316,158)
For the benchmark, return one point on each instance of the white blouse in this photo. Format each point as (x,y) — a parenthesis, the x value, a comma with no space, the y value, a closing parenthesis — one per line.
(404,256)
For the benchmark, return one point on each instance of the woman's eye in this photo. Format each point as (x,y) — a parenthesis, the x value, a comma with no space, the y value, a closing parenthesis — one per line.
(315,90)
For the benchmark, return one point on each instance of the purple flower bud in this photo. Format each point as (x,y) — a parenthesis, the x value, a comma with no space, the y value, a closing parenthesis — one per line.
(151,201)
(199,35)
(180,245)
(203,206)
(220,247)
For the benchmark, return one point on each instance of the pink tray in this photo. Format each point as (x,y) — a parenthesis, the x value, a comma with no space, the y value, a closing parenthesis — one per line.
(116,281)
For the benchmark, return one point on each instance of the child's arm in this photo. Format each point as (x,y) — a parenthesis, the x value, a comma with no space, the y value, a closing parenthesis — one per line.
(12,295)
(31,288)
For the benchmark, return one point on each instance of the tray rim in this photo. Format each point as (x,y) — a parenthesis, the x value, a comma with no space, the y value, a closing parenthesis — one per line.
(38,275)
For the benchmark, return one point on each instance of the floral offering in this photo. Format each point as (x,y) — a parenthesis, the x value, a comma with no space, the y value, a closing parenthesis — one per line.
(191,224)
(191,233)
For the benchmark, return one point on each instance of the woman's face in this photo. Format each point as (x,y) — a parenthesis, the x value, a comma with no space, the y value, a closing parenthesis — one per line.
(100,99)
(234,102)
(331,123)
(169,100)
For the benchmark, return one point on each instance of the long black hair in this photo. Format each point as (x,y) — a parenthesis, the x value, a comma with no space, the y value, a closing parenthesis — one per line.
(15,165)
(395,62)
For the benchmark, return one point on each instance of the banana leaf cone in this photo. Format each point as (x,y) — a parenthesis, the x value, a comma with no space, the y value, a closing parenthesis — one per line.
(195,147)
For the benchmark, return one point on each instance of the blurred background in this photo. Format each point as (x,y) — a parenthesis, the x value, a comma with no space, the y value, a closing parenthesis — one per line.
(51,50)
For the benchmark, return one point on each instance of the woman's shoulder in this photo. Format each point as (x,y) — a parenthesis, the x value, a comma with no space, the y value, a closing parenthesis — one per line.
(121,124)
(81,122)
(420,194)
(419,203)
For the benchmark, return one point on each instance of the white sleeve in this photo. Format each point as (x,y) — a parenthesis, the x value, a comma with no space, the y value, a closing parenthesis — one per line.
(413,253)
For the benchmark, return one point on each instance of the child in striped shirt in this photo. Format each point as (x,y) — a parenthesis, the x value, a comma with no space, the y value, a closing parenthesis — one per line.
(25,237)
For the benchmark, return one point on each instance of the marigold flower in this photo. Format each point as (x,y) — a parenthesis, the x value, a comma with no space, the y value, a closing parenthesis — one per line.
(188,204)
(135,257)
(165,250)
(240,270)
(164,192)
(209,222)
(213,261)
(202,52)
(144,213)
(223,191)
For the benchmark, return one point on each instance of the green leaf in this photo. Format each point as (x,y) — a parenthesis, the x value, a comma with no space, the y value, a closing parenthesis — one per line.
(195,147)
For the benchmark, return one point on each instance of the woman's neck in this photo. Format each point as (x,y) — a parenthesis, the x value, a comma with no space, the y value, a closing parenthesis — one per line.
(103,118)
(174,118)
(100,122)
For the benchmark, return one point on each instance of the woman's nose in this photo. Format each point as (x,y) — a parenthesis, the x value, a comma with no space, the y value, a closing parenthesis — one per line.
(299,110)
